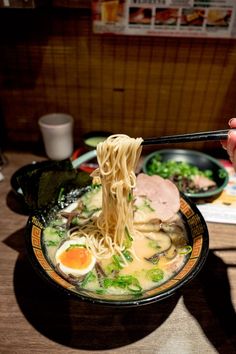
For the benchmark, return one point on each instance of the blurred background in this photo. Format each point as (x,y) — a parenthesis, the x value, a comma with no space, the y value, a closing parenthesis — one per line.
(51,61)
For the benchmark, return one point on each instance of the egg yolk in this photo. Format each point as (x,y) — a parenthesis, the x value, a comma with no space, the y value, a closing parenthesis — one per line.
(76,258)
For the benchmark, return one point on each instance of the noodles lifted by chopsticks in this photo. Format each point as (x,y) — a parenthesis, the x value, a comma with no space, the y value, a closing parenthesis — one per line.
(112,231)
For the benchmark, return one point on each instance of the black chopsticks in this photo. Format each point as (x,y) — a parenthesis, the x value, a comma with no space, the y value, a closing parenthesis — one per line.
(188,137)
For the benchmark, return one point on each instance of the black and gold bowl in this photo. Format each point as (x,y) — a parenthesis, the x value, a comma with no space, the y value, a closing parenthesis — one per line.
(198,238)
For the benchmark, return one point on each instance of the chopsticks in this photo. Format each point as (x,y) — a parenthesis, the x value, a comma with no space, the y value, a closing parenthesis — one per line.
(169,139)
(189,137)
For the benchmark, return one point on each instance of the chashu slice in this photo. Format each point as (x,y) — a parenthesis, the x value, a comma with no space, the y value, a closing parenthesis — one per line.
(203,183)
(161,193)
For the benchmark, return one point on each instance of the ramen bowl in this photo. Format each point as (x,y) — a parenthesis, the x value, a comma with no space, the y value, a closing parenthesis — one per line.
(198,238)
(202,161)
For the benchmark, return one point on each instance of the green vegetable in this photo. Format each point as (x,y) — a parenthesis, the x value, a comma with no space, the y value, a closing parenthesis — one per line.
(169,168)
(222,173)
(153,244)
(185,250)
(128,238)
(181,173)
(87,279)
(117,261)
(155,274)
(96,186)
(116,264)
(90,200)
(145,206)
(127,255)
(148,205)
(124,282)
(51,243)
(100,291)
(61,194)
(52,236)
(154,259)
(130,197)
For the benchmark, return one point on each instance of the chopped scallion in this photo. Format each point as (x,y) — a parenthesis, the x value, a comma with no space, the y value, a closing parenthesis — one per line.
(185,250)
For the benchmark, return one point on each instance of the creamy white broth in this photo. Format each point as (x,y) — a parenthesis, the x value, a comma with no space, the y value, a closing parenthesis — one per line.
(144,245)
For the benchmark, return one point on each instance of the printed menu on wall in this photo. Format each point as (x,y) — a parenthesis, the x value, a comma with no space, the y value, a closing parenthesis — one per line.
(182,18)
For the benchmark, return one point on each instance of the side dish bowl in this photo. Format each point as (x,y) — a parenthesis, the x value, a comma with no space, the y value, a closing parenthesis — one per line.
(201,161)
(198,239)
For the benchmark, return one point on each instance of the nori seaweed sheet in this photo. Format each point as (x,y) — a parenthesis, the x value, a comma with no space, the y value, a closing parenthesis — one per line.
(43,183)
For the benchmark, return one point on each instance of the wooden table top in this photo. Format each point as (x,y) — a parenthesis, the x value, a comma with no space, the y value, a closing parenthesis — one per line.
(36,318)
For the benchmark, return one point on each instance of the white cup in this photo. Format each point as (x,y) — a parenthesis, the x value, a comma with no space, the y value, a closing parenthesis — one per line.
(57,132)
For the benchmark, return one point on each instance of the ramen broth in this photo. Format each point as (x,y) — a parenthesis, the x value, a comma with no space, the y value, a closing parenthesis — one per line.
(156,256)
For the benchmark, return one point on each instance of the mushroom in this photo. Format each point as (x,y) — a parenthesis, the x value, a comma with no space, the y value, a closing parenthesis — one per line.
(171,253)
(176,234)
(162,242)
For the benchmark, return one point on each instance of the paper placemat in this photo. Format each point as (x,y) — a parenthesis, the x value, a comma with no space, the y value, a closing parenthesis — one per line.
(223,208)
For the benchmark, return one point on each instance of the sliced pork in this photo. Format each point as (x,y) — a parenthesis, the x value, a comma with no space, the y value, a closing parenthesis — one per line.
(202,182)
(162,194)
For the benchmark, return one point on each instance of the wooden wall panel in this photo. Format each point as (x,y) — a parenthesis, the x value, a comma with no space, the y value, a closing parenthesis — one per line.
(143,86)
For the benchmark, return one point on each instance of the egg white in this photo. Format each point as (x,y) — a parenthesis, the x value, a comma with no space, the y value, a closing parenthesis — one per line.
(72,271)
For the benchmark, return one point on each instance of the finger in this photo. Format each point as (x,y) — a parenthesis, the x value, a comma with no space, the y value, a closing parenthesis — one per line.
(232,123)
(234,160)
(224,144)
(231,144)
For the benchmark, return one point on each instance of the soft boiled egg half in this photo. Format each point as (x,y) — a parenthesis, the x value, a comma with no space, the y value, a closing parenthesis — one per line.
(74,258)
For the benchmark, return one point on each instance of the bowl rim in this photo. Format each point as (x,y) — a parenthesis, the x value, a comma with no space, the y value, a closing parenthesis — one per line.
(189,212)
(189,152)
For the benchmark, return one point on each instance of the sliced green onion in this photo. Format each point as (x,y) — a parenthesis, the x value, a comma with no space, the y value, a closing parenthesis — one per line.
(88,278)
(124,282)
(130,196)
(222,173)
(180,172)
(51,243)
(128,238)
(153,244)
(115,265)
(148,205)
(155,274)
(127,255)
(61,196)
(117,261)
(185,250)
(100,291)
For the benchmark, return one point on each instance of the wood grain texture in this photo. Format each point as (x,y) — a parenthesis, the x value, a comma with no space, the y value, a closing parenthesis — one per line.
(142,86)
(36,318)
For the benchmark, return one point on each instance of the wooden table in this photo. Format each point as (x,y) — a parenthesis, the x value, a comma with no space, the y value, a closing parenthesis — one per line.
(36,318)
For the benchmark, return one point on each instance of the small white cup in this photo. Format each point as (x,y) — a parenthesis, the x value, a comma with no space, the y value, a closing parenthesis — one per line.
(57,132)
